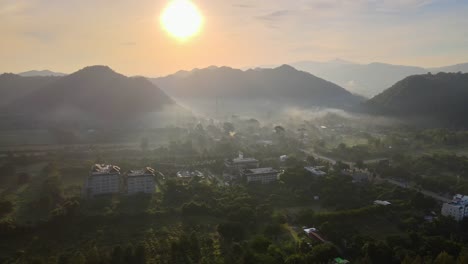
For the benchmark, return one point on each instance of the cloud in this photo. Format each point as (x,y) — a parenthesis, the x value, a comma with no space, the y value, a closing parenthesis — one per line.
(244,5)
(274,16)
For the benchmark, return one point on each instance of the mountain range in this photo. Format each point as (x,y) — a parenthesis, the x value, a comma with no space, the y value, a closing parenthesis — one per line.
(98,95)
(14,86)
(254,90)
(368,79)
(94,94)
(41,73)
(438,97)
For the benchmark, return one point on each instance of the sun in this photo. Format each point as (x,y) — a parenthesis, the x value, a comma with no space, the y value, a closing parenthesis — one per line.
(181,19)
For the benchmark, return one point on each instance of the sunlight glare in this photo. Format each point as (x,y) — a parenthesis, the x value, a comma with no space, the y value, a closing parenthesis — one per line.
(181,19)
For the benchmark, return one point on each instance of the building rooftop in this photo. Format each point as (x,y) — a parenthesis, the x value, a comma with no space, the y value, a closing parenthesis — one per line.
(189,174)
(379,202)
(260,171)
(241,159)
(244,160)
(143,172)
(99,169)
(315,170)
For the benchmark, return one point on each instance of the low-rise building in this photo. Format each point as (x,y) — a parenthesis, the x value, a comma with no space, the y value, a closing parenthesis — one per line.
(102,179)
(261,175)
(380,202)
(457,208)
(315,171)
(359,176)
(234,167)
(141,181)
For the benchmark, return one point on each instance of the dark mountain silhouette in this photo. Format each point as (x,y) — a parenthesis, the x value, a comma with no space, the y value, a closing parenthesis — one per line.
(41,73)
(280,87)
(441,97)
(93,93)
(13,86)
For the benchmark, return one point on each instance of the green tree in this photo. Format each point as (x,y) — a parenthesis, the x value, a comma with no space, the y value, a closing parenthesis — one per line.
(444,258)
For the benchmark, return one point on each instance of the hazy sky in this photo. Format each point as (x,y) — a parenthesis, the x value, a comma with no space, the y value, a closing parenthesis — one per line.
(66,35)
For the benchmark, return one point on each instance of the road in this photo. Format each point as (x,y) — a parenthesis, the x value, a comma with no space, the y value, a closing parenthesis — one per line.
(333,162)
(425,192)
(391,181)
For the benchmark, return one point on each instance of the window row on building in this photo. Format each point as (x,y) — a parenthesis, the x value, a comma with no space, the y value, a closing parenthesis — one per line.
(107,179)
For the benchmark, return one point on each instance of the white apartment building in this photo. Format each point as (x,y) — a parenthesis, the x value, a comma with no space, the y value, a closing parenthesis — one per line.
(141,181)
(102,179)
(457,208)
(234,167)
(262,175)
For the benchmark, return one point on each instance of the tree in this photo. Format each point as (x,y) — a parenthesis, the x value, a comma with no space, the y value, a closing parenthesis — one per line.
(140,255)
(194,252)
(324,252)
(23,178)
(117,256)
(6,207)
(444,258)
(280,130)
(228,127)
(360,164)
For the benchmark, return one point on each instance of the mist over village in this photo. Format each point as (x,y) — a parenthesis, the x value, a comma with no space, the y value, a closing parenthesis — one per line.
(234,132)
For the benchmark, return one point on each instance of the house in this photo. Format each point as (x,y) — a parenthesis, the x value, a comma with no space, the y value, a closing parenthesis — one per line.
(283,158)
(359,176)
(234,167)
(384,203)
(102,179)
(141,181)
(315,171)
(457,208)
(262,175)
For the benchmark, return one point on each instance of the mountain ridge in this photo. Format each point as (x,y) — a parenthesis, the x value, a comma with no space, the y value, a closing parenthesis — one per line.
(438,97)
(93,93)
(281,86)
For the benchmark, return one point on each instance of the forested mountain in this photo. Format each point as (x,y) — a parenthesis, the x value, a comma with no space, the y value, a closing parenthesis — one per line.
(279,87)
(93,93)
(442,97)
(13,86)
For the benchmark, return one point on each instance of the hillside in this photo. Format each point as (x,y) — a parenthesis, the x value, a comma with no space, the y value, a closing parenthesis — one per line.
(272,88)
(13,86)
(441,97)
(93,93)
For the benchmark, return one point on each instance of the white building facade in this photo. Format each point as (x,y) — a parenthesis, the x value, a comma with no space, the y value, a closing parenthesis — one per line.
(235,167)
(102,179)
(457,208)
(261,175)
(141,181)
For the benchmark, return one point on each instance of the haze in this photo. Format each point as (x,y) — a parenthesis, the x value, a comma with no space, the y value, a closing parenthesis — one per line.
(126,35)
